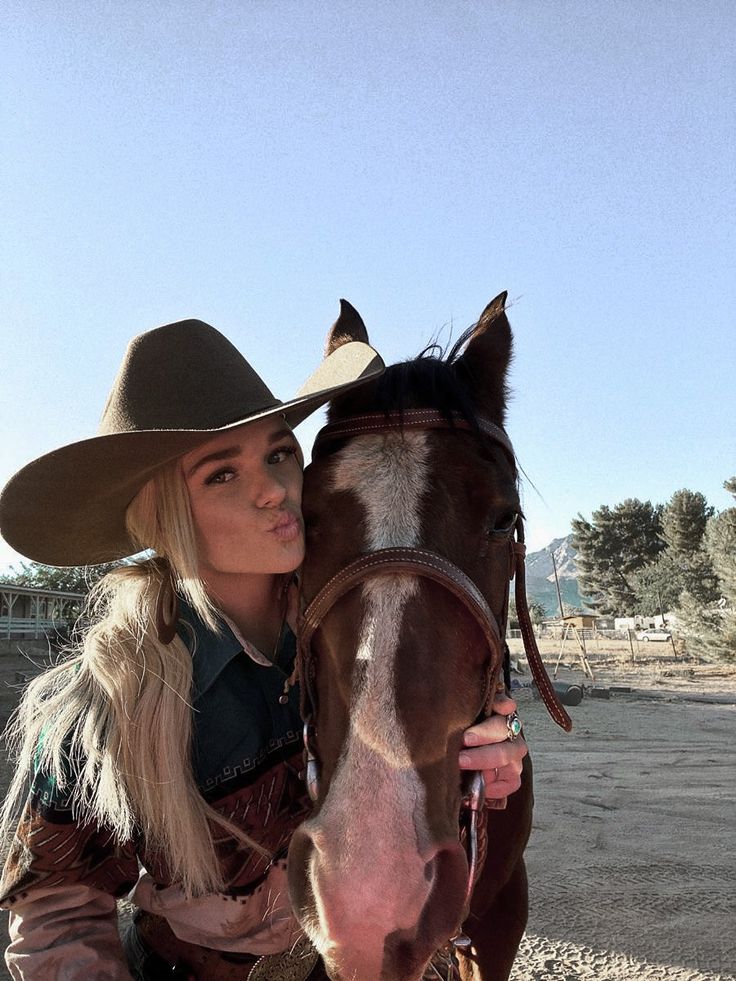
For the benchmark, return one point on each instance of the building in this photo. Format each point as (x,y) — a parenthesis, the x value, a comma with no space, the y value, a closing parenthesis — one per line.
(29,613)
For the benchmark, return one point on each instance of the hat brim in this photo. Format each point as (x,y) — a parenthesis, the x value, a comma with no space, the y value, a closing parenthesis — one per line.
(67,507)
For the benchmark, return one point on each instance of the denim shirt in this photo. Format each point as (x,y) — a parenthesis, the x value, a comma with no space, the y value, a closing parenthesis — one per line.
(240,726)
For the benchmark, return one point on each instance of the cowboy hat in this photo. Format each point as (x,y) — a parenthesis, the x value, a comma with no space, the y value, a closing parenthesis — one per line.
(177,385)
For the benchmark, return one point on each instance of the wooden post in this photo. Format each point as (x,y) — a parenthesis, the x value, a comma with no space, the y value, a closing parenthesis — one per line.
(674,649)
(562,647)
(580,636)
(557,583)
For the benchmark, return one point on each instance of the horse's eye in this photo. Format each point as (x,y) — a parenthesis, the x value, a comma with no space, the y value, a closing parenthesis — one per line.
(504,524)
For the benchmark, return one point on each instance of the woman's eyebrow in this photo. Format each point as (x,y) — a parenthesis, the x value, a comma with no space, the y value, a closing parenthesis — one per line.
(281,434)
(225,454)
(230,451)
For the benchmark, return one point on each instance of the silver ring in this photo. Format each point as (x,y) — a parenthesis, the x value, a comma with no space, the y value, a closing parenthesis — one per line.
(513,726)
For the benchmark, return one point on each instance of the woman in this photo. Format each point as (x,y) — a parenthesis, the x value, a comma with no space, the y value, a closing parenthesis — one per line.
(168,743)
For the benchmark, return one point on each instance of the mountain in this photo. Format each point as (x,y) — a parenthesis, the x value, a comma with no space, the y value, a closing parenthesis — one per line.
(540,577)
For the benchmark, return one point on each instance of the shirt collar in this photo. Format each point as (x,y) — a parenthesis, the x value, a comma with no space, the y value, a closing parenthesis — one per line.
(211,652)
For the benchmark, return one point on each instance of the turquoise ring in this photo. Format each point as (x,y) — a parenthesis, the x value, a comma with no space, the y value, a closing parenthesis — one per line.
(513,726)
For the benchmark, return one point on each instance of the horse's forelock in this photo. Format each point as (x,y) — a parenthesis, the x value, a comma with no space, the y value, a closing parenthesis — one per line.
(425,381)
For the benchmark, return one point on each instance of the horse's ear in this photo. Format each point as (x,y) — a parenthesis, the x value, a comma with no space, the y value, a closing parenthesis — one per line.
(349,326)
(485,360)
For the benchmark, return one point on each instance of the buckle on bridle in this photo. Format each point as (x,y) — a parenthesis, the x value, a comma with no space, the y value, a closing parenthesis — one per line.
(312,776)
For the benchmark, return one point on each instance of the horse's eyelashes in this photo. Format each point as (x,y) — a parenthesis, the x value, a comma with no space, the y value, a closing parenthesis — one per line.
(504,525)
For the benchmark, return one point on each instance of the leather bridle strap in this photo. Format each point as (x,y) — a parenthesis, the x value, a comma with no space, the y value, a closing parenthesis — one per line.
(534,658)
(412,561)
(380,422)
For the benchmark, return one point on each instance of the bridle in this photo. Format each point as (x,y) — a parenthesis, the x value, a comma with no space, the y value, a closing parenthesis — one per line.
(427,565)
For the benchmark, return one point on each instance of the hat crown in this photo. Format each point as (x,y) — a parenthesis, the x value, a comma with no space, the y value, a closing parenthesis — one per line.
(185,375)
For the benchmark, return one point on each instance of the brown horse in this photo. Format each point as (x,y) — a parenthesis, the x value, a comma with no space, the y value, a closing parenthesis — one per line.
(402,654)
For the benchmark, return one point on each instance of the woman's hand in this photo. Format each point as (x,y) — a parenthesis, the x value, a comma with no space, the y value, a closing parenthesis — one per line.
(493,752)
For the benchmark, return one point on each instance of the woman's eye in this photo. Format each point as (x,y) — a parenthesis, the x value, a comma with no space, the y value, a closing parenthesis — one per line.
(221,476)
(281,454)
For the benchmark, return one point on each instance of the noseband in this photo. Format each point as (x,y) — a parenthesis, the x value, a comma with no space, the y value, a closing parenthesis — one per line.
(427,565)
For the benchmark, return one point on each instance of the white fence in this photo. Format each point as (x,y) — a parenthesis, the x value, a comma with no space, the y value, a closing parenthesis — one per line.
(23,627)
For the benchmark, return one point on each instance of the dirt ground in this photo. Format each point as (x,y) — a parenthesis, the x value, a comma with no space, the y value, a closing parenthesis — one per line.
(632,860)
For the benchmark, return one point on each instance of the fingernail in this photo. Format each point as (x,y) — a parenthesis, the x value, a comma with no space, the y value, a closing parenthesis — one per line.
(470,739)
(465,760)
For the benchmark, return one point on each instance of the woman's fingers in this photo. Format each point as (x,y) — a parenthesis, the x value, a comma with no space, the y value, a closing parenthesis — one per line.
(487,747)
(501,766)
(494,755)
(492,729)
(503,704)
(508,782)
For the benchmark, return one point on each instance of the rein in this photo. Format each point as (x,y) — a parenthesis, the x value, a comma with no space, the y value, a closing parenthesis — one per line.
(428,565)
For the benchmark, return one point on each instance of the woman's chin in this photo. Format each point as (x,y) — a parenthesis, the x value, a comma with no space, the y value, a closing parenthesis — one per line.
(292,555)
(281,561)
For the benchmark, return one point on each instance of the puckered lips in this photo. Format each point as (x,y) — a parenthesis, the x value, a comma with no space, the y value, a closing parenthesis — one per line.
(287,526)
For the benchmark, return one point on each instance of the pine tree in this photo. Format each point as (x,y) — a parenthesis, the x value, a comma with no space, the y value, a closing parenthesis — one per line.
(720,544)
(684,520)
(612,547)
(710,628)
(537,613)
(657,586)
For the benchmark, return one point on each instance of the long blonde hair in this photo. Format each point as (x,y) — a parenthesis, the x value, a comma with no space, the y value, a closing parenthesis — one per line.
(112,724)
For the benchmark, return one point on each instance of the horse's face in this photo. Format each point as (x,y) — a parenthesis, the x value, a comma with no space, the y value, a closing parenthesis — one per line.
(377,875)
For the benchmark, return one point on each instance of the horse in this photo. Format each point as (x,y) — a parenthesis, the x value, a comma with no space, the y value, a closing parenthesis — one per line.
(413,528)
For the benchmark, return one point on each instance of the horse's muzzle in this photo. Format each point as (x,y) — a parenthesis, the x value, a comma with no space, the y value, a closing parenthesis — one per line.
(383,924)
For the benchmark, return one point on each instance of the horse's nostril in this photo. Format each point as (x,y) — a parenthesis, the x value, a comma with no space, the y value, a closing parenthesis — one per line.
(429,869)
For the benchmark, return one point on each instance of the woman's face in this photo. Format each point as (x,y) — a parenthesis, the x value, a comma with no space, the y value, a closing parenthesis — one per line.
(245,489)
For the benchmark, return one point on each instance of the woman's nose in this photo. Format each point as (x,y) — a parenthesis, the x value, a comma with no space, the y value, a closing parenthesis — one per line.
(271,492)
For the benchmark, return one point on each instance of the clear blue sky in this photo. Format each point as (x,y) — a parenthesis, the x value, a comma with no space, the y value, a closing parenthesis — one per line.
(250,162)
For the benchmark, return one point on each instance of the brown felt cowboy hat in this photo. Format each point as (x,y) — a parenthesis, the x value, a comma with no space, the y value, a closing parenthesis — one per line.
(177,385)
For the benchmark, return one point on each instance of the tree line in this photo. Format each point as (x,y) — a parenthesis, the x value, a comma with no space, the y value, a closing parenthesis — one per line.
(69,579)
(640,558)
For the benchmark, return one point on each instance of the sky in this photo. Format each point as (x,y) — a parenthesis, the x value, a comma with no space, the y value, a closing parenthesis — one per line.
(249,163)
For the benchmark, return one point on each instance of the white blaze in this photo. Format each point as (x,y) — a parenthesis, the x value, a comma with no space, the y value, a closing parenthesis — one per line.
(388,474)
(375,776)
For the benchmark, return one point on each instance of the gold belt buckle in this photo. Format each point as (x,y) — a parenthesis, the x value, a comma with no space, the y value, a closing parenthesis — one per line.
(295,964)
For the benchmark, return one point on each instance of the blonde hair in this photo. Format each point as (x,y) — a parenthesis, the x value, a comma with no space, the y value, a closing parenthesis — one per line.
(112,725)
